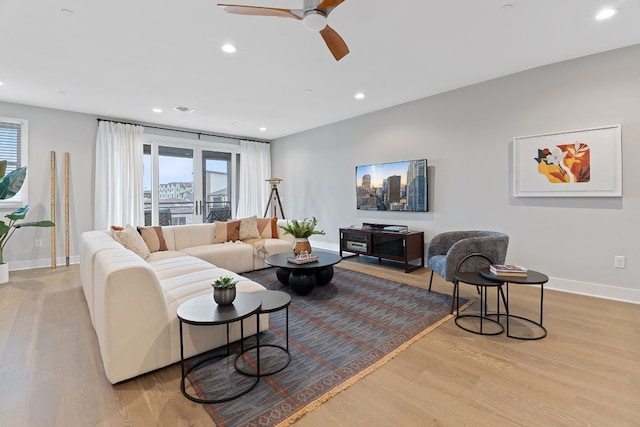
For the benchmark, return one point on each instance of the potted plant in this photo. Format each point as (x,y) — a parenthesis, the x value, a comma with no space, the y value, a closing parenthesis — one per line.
(9,186)
(301,231)
(224,290)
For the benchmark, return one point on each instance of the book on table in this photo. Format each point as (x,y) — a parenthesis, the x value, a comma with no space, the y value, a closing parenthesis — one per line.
(303,260)
(508,270)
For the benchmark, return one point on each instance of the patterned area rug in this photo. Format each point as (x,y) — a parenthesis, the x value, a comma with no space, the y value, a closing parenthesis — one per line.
(338,334)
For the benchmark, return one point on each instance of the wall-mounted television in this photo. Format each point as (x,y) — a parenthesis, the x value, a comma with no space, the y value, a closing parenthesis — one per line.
(395,186)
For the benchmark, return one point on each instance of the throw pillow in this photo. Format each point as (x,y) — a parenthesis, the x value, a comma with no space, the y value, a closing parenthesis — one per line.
(154,238)
(268,228)
(249,228)
(131,239)
(227,231)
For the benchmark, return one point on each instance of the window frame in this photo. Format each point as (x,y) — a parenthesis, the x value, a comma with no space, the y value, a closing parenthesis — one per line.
(20,199)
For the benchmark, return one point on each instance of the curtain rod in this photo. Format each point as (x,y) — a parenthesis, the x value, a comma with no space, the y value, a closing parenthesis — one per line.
(181,130)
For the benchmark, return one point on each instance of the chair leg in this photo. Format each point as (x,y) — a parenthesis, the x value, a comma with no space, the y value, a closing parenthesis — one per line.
(453,297)
(430,280)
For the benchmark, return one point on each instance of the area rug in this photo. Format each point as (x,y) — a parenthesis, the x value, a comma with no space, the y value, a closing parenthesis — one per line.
(338,334)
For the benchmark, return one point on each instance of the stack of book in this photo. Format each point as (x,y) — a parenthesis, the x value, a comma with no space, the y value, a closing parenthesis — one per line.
(303,260)
(504,270)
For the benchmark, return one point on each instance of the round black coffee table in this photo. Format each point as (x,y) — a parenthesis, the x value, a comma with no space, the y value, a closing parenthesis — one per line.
(302,278)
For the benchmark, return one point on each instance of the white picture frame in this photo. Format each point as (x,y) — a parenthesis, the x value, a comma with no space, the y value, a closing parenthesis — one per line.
(577,163)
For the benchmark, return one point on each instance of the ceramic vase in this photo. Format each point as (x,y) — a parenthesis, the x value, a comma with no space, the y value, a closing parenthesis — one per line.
(301,244)
(224,296)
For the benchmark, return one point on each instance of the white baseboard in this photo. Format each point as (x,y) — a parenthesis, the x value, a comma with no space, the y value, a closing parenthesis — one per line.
(41,263)
(597,290)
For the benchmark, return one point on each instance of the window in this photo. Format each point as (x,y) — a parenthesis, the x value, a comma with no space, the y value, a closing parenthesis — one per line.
(13,149)
(188,181)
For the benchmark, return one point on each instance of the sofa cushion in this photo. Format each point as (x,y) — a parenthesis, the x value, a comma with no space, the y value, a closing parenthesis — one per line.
(249,228)
(268,228)
(237,257)
(227,231)
(154,238)
(130,239)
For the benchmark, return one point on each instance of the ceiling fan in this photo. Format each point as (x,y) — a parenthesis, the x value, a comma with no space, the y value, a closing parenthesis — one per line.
(313,16)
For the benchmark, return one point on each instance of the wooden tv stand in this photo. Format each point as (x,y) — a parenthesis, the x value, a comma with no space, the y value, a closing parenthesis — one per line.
(396,246)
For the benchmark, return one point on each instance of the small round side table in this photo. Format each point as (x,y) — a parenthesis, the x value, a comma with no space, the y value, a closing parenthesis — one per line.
(272,301)
(532,278)
(475,279)
(203,311)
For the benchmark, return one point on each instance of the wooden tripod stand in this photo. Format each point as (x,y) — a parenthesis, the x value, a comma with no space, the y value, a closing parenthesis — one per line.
(274,196)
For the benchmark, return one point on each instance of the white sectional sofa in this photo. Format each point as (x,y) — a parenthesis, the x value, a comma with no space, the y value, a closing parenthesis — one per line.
(132,301)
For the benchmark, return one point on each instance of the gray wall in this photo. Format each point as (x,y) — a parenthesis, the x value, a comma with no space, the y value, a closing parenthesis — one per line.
(59,131)
(466,135)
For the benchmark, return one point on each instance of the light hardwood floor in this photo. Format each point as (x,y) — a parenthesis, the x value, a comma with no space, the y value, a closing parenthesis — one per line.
(585,372)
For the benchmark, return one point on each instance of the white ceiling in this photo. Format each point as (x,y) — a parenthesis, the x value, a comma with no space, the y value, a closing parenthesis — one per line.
(120,58)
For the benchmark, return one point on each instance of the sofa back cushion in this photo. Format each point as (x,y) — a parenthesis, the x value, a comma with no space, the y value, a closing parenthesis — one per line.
(129,237)
(249,228)
(226,231)
(179,237)
(154,238)
(268,227)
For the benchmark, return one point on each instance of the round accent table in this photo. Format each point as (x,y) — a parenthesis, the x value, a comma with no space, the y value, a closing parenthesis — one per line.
(203,311)
(532,278)
(482,283)
(272,301)
(302,278)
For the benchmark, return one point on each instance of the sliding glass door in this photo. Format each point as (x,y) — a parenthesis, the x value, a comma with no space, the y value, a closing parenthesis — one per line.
(186,183)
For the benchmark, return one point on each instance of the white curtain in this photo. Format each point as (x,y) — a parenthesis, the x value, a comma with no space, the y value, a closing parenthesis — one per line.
(255,170)
(119,175)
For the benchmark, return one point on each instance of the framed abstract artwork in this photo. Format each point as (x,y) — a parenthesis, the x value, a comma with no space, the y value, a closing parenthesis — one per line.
(578,163)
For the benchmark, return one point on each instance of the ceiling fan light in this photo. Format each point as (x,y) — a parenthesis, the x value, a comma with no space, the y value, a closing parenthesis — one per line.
(314,20)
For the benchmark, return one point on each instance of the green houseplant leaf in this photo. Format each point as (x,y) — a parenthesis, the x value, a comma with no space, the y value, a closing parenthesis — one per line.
(225,282)
(12,183)
(302,229)
(9,187)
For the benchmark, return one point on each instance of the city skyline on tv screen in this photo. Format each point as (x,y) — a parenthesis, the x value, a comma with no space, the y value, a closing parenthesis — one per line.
(392,186)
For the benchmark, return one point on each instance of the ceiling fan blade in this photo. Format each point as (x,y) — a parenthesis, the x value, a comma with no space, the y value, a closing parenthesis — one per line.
(329,3)
(334,42)
(258,10)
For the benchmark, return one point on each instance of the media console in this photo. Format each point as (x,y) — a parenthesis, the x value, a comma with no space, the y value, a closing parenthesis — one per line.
(406,247)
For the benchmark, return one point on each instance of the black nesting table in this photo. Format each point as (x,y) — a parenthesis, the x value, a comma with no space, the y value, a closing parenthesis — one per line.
(532,278)
(302,278)
(483,284)
(203,311)
(272,301)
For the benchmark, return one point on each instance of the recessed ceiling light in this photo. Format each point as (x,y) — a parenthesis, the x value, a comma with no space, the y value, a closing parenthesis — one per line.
(184,109)
(229,48)
(157,110)
(605,13)
(1,83)
(359,95)
(66,12)
(308,90)
(62,92)
(262,129)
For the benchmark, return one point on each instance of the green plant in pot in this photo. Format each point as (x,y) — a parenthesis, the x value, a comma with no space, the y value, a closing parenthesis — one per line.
(9,187)
(301,231)
(224,290)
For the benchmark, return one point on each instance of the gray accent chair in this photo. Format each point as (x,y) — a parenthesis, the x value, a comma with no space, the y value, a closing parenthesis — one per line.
(446,250)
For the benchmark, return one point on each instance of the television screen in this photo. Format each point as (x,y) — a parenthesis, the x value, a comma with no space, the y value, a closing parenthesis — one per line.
(396,186)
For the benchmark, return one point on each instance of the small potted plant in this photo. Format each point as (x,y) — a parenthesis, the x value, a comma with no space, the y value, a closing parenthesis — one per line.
(301,231)
(224,290)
